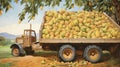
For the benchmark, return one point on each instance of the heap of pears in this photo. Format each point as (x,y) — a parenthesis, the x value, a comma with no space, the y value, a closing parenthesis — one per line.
(81,24)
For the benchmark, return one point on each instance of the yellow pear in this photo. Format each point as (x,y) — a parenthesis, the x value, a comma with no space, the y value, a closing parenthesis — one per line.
(81,24)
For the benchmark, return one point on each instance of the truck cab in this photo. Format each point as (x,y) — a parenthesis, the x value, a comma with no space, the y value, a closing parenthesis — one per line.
(24,43)
(27,38)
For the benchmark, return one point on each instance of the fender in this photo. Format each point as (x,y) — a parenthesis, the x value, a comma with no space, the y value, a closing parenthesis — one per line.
(19,46)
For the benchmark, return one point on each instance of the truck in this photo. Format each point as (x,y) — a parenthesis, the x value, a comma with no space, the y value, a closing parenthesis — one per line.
(67,48)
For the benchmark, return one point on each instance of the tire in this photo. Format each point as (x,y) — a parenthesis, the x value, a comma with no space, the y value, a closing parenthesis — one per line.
(15,51)
(93,53)
(66,53)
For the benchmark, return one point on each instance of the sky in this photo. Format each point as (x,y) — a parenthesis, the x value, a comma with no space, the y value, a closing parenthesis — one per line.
(9,21)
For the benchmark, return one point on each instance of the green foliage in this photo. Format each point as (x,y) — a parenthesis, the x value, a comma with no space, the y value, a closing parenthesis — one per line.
(2,38)
(31,6)
(5,52)
(100,5)
(5,42)
(5,65)
(5,5)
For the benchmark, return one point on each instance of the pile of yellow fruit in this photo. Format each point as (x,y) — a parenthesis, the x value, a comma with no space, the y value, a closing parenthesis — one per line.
(81,24)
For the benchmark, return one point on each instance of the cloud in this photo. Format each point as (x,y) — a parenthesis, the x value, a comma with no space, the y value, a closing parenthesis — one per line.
(18,29)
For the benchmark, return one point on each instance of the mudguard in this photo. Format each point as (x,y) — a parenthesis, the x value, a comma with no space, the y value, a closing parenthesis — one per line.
(19,46)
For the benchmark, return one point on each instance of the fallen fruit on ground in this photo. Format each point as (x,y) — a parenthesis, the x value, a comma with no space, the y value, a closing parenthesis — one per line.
(36,61)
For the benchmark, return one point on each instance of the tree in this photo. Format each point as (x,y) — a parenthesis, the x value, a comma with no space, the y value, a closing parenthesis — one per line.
(4,41)
(2,38)
(111,7)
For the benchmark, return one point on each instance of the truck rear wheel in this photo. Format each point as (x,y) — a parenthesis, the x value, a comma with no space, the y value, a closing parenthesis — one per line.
(15,51)
(67,53)
(93,53)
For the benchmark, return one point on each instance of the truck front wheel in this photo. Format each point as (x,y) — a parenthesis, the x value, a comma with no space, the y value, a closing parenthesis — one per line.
(67,53)
(93,53)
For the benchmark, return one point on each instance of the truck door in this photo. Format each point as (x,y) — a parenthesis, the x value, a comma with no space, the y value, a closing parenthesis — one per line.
(26,38)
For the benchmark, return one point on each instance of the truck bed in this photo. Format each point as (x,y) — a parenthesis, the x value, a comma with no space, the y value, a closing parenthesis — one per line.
(81,40)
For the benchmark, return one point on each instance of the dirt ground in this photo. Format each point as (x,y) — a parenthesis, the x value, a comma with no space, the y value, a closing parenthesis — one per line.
(52,61)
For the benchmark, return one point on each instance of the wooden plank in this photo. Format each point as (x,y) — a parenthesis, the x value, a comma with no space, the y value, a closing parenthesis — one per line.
(85,40)
(112,21)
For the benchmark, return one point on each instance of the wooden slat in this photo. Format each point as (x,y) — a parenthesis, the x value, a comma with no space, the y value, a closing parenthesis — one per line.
(85,40)
(112,21)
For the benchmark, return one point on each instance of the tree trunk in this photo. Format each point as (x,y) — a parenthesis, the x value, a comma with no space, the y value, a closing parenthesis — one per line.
(117,7)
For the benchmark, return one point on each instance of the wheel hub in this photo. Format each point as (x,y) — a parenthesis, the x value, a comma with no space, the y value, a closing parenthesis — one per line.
(67,53)
(15,51)
(93,54)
